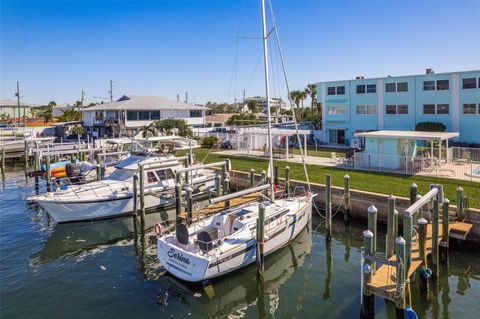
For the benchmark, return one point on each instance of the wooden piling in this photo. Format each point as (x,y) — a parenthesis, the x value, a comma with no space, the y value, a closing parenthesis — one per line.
(460,213)
(260,238)
(226,190)
(368,306)
(390,242)
(435,257)
(445,231)
(328,206)
(178,201)
(422,250)
(287,180)
(135,194)
(372,226)
(264,177)
(25,155)
(218,186)
(252,177)
(275,175)
(48,172)
(400,287)
(346,198)
(413,193)
(408,237)
(99,168)
(3,160)
(142,193)
(189,204)
(36,165)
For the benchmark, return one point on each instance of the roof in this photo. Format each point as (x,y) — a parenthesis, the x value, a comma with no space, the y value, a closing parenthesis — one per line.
(218,118)
(410,135)
(275,131)
(10,102)
(141,102)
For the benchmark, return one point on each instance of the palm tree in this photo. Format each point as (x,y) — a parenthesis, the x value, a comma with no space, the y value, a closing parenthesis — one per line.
(311,90)
(253,106)
(296,97)
(303,95)
(78,129)
(148,130)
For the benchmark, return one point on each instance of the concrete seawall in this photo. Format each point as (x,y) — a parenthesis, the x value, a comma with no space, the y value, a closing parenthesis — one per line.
(359,201)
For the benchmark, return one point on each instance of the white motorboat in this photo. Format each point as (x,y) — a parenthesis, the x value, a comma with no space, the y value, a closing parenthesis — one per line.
(18,144)
(227,241)
(113,196)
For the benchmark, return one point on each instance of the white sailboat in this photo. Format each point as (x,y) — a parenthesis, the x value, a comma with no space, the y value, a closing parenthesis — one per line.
(226,241)
(113,196)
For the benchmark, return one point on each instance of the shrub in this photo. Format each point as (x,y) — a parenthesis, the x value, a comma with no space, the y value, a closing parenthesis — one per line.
(430,127)
(209,142)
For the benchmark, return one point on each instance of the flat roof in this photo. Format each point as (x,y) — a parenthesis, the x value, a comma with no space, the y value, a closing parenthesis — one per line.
(276,131)
(410,135)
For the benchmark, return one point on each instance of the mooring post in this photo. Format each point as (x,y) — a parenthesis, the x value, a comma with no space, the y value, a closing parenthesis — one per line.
(36,185)
(226,191)
(99,168)
(372,226)
(408,238)
(275,175)
(395,224)
(224,173)
(36,160)
(390,243)
(368,306)
(445,231)
(135,194)
(252,177)
(48,171)
(460,215)
(328,206)
(346,198)
(287,180)
(413,193)
(188,197)
(435,265)
(218,186)
(400,288)
(264,177)
(25,157)
(3,159)
(178,201)
(142,193)
(260,238)
(422,250)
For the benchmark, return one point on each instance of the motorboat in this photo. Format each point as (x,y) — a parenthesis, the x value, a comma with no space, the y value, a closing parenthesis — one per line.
(113,196)
(227,241)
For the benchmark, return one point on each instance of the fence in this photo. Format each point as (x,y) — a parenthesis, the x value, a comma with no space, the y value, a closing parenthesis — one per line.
(466,154)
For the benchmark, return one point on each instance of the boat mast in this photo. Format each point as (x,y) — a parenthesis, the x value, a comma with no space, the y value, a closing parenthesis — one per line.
(267,96)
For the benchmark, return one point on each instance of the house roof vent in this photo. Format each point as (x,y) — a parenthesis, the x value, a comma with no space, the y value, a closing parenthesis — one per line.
(429,71)
(360,77)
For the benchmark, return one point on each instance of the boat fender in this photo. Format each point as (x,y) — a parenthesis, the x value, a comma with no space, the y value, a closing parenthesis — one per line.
(410,313)
(158,229)
(426,273)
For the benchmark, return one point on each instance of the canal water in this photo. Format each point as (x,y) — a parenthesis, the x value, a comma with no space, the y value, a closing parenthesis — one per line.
(99,270)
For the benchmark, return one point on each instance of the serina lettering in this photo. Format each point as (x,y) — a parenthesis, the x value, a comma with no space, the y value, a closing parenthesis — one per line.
(178,256)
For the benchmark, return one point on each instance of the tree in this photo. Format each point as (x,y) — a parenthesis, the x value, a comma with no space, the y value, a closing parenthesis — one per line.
(243,119)
(78,130)
(166,127)
(148,130)
(296,97)
(311,90)
(253,106)
(70,115)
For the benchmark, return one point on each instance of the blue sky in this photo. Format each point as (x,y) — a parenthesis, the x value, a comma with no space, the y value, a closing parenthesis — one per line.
(58,48)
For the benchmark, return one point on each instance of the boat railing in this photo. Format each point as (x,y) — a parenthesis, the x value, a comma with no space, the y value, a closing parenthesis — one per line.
(94,189)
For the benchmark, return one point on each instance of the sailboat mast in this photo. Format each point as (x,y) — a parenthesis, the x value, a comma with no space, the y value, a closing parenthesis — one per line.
(267,96)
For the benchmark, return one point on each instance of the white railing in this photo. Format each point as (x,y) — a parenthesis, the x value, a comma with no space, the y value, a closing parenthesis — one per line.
(466,154)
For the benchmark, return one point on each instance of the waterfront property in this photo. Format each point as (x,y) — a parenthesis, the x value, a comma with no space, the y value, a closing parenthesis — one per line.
(10,109)
(399,103)
(131,112)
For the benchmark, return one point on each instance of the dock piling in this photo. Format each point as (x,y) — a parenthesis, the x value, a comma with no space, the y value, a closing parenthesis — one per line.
(400,288)
(413,193)
(135,193)
(142,193)
(346,199)
(275,175)
(390,242)
(264,177)
(178,201)
(328,206)
(3,160)
(445,231)
(260,238)
(287,180)
(368,306)
(48,172)
(25,155)
(460,213)
(372,226)
(422,251)
(435,265)
(188,197)
(408,238)
(218,187)
(226,190)
(252,177)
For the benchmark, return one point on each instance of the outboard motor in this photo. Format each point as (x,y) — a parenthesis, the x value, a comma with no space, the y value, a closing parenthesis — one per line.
(74,173)
(206,238)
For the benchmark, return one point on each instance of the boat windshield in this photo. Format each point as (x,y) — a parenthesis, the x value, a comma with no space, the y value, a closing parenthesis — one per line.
(121,174)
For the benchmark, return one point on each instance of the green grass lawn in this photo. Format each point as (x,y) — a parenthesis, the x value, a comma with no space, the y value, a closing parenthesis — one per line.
(361,180)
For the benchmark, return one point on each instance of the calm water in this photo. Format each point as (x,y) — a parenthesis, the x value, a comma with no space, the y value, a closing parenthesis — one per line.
(97,270)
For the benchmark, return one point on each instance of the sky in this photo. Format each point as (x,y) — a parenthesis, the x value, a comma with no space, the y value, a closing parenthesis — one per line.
(212,50)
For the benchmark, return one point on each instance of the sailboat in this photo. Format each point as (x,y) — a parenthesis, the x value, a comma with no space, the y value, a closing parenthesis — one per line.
(227,241)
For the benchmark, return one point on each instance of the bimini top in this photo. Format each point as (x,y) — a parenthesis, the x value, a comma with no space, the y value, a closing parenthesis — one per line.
(410,135)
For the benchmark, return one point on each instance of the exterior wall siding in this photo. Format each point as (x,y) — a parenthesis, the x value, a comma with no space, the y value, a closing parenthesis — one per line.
(415,98)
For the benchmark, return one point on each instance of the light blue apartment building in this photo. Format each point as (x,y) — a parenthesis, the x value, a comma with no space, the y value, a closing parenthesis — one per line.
(399,103)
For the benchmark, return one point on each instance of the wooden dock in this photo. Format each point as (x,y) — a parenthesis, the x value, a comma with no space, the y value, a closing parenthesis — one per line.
(384,282)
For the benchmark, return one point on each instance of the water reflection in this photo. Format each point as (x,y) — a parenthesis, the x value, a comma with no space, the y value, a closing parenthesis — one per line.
(236,293)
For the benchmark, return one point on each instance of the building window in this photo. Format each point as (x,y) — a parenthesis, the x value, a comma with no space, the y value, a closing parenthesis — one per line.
(151,178)
(331,90)
(371,88)
(336,109)
(391,87)
(132,115)
(443,85)
(99,115)
(361,89)
(471,108)
(436,109)
(340,90)
(195,113)
(429,85)
(154,115)
(470,83)
(336,90)
(396,109)
(402,87)
(143,115)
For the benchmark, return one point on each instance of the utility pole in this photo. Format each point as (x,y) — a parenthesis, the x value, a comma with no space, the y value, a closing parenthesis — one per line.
(81,100)
(17,94)
(178,97)
(243,106)
(111,91)
(186,97)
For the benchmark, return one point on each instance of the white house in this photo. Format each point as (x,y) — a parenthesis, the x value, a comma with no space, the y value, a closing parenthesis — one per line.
(131,112)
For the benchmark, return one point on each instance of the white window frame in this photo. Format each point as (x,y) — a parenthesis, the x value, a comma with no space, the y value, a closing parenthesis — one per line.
(396,109)
(436,109)
(332,110)
(477,109)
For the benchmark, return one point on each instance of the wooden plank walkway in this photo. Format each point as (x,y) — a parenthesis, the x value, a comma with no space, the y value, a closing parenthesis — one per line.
(384,280)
